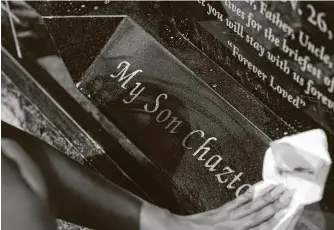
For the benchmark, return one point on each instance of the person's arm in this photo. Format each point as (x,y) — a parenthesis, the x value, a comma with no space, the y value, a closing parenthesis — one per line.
(75,193)
(83,197)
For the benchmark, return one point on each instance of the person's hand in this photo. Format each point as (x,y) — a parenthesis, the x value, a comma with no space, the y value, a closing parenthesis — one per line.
(242,213)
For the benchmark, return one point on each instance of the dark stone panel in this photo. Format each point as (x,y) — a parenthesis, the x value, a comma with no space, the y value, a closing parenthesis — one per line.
(80,44)
(196,107)
(211,36)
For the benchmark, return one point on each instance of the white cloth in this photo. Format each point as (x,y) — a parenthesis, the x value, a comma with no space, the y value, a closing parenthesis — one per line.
(300,162)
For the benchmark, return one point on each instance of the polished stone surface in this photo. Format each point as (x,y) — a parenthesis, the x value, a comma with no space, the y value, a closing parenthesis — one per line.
(207,94)
(189,99)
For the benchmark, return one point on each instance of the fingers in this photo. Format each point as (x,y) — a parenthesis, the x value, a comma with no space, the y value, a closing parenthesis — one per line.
(259,203)
(234,204)
(239,201)
(270,215)
(271,223)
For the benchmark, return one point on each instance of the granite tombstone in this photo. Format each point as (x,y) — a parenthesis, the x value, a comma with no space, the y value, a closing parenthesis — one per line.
(164,75)
(281,51)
